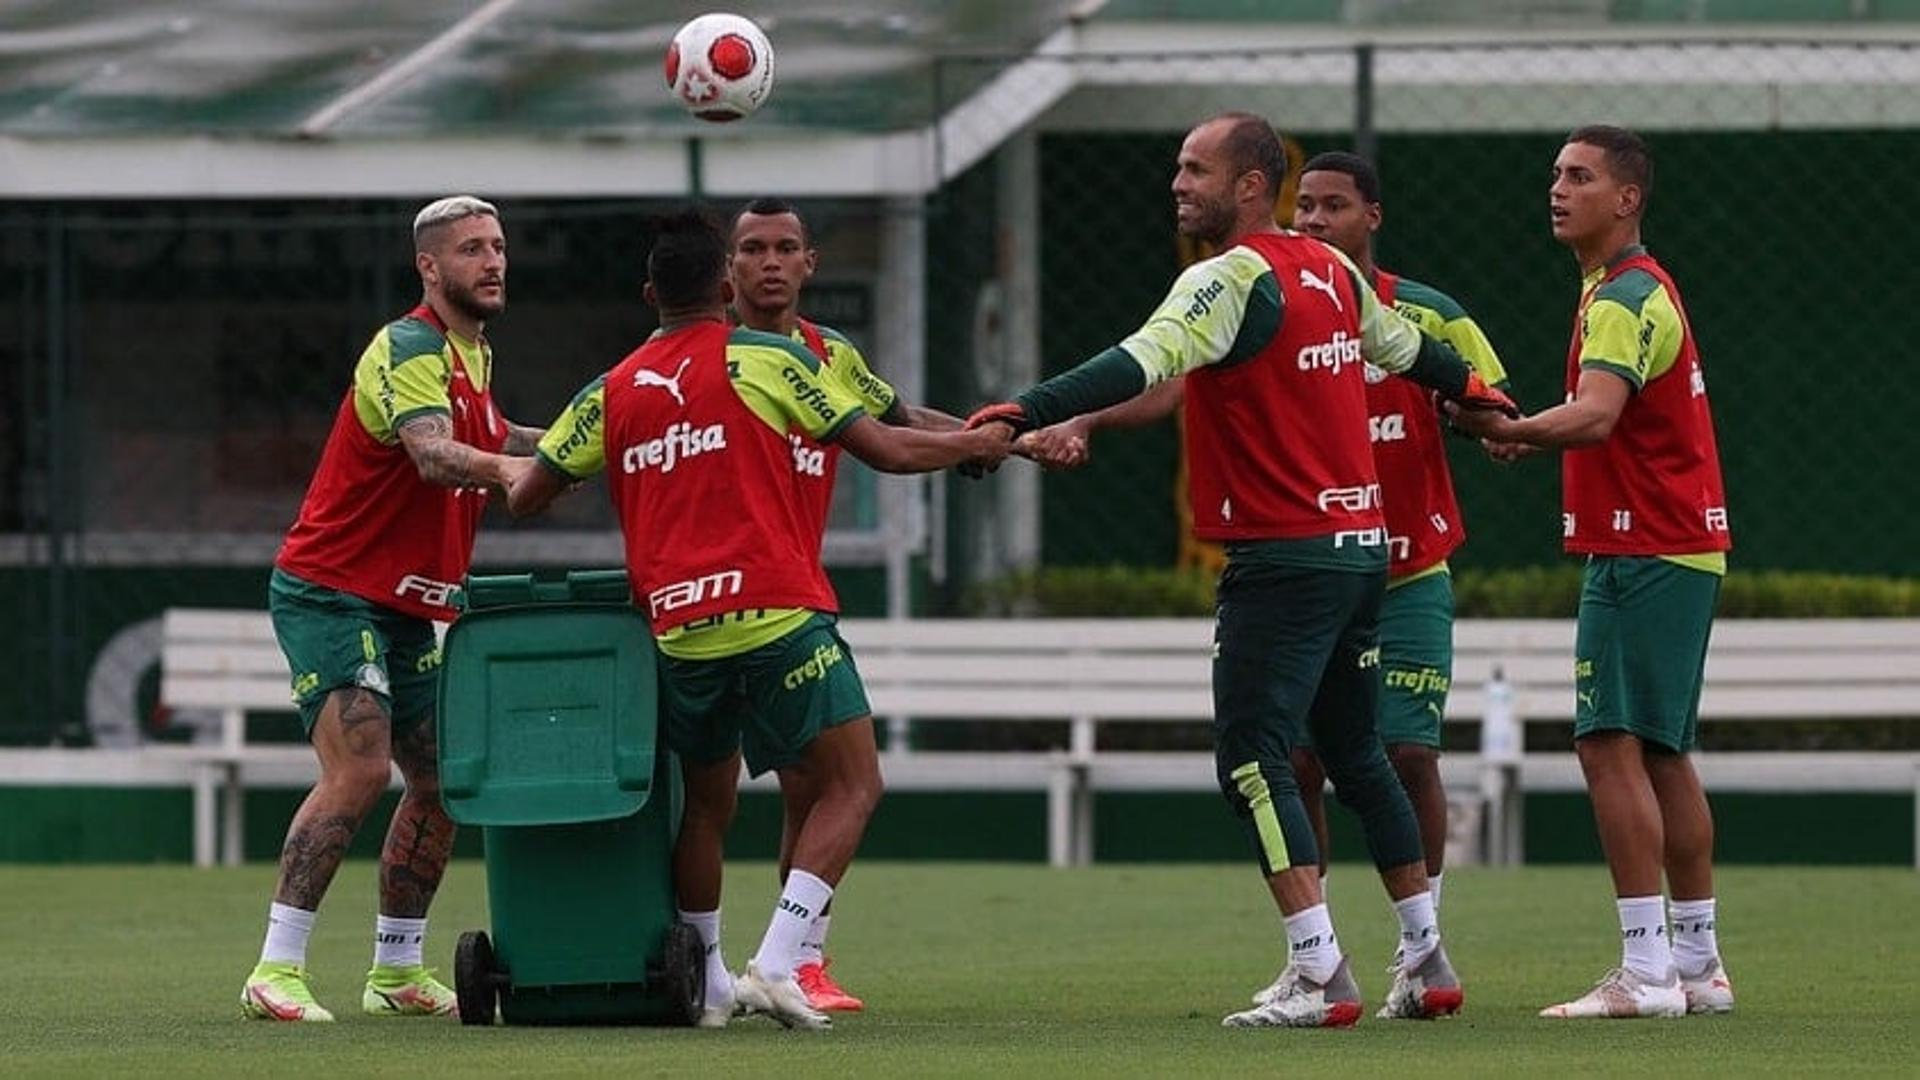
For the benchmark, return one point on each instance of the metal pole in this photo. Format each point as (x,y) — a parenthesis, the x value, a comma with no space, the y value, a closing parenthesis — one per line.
(59,491)
(696,169)
(1364,141)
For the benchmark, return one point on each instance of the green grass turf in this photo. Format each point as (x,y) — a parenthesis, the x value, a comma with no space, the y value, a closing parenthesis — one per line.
(974,969)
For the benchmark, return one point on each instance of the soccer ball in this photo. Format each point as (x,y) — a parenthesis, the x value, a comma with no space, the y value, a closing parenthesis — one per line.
(720,67)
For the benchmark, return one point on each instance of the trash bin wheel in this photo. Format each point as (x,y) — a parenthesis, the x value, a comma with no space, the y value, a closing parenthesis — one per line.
(686,971)
(475,984)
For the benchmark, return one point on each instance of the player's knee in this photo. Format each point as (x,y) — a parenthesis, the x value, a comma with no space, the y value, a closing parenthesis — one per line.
(1245,782)
(1363,780)
(1416,764)
(358,781)
(1606,754)
(861,792)
(1223,771)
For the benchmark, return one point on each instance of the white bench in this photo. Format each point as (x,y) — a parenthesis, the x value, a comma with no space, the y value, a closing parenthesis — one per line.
(228,662)
(1089,672)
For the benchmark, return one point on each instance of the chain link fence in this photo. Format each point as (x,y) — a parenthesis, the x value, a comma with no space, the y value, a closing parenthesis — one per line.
(1778,177)
(168,371)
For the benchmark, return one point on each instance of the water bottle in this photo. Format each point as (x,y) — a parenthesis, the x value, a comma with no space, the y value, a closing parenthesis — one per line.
(1500,741)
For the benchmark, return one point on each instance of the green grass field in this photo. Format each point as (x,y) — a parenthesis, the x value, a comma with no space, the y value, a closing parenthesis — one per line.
(975,969)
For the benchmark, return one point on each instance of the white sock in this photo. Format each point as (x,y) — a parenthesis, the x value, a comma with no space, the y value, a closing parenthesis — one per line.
(1311,944)
(1433,889)
(719,979)
(398,942)
(287,931)
(1419,929)
(813,947)
(804,897)
(1694,946)
(1645,948)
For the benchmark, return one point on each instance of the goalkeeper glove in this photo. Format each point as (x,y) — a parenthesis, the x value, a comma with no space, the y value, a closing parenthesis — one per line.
(1009,413)
(1478,395)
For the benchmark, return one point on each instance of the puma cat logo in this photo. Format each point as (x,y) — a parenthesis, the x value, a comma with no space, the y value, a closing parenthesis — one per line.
(1325,285)
(669,383)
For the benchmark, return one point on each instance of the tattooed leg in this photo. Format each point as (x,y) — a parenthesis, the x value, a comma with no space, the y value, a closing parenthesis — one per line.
(351,737)
(420,839)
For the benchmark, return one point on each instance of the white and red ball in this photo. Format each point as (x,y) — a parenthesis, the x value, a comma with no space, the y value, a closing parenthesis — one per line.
(720,67)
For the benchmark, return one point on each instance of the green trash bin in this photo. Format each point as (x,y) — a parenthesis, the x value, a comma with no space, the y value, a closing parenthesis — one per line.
(549,743)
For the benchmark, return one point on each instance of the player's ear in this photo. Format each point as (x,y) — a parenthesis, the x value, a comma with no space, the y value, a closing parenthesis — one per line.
(1251,185)
(813,260)
(1630,199)
(646,293)
(428,269)
(726,291)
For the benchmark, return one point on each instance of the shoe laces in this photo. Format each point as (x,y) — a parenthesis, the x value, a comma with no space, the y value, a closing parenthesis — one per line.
(294,983)
(1295,985)
(1619,979)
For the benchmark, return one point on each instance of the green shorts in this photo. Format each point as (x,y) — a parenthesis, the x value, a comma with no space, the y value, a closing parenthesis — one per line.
(772,701)
(334,640)
(1416,660)
(1296,657)
(1641,648)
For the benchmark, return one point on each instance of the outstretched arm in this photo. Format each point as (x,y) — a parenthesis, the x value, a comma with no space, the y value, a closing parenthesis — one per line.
(918,417)
(1394,344)
(909,450)
(522,440)
(1068,444)
(1220,310)
(1588,418)
(443,460)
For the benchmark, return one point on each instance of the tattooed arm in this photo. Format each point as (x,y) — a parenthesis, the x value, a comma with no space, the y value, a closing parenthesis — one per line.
(444,460)
(521,440)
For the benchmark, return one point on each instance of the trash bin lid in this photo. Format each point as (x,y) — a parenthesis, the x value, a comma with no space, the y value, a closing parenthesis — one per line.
(548,713)
(519,590)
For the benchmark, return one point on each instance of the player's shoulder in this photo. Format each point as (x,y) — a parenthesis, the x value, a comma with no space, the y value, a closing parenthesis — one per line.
(748,344)
(1630,289)
(1240,270)
(840,347)
(411,336)
(834,336)
(1241,261)
(1421,294)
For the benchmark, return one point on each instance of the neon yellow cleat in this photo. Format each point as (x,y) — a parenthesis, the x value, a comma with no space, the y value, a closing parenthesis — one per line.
(280,992)
(405,991)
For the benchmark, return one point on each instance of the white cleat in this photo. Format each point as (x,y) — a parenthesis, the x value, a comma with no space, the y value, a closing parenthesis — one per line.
(1303,1003)
(1268,993)
(781,999)
(1428,991)
(1624,995)
(721,1008)
(1710,991)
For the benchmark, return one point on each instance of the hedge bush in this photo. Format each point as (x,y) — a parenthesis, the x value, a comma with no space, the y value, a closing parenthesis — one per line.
(1535,592)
